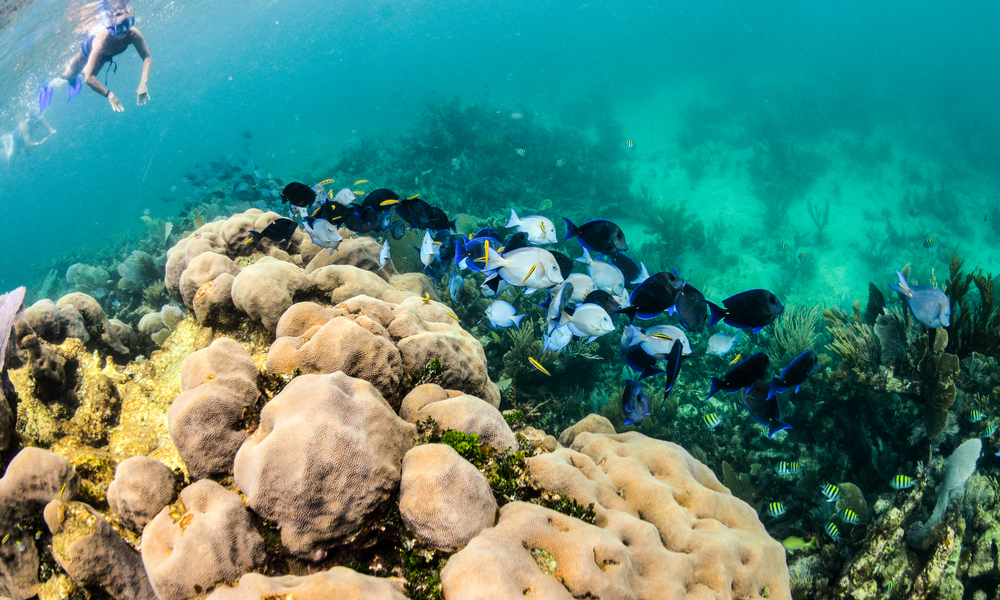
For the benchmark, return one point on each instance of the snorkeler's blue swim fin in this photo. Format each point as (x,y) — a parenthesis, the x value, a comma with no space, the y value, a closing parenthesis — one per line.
(74,88)
(44,97)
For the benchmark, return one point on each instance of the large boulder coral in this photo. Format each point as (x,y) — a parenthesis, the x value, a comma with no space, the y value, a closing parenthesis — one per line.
(665,528)
(89,550)
(266,289)
(141,488)
(340,448)
(219,387)
(34,478)
(361,252)
(205,539)
(98,328)
(338,582)
(202,269)
(443,499)
(460,412)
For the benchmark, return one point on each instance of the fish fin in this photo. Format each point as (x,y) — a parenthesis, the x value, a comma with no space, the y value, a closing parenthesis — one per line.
(461,252)
(797,388)
(649,372)
(672,310)
(629,311)
(545,303)
(452,225)
(585,258)
(717,313)
(254,236)
(903,287)
(514,221)
(714,386)
(517,320)
(627,422)
(775,388)
(529,291)
(635,338)
(571,230)
(643,275)
(591,338)
(331,254)
(493,261)
(757,329)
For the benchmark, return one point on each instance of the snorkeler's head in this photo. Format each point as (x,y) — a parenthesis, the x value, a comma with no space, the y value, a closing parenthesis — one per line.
(117,16)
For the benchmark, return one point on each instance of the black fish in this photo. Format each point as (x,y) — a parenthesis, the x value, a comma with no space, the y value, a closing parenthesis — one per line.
(415,212)
(333,212)
(381,200)
(518,240)
(248,178)
(627,266)
(280,230)
(439,220)
(764,409)
(795,374)
(486,232)
(634,403)
(362,219)
(673,369)
(638,359)
(653,296)
(565,263)
(753,309)
(691,308)
(397,229)
(298,194)
(604,300)
(219,194)
(745,374)
(601,236)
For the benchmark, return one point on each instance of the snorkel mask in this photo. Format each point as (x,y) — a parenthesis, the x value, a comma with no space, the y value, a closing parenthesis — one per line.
(119,20)
(121,26)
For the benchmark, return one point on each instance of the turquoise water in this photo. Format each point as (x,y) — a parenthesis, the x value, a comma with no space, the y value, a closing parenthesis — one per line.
(805,148)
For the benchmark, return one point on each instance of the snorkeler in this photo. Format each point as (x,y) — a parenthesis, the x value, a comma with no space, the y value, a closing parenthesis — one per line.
(19,140)
(99,48)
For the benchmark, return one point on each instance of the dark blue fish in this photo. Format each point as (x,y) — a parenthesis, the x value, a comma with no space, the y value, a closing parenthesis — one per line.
(362,219)
(753,309)
(280,230)
(456,288)
(298,194)
(629,268)
(929,305)
(634,403)
(601,236)
(438,220)
(795,374)
(745,374)
(692,308)
(474,250)
(415,212)
(333,212)
(381,200)
(565,263)
(653,296)
(764,409)
(602,299)
(673,370)
(518,240)
(486,232)
(397,229)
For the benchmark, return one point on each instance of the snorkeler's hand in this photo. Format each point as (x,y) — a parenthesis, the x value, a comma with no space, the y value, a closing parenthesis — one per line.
(116,104)
(142,95)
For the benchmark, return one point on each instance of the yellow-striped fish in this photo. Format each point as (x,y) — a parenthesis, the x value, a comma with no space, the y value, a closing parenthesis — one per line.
(358,192)
(538,366)
(901,482)
(413,197)
(976,416)
(788,468)
(782,246)
(326,182)
(738,356)
(850,517)
(832,492)
(928,242)
(520,151)
(360,181)
(629,144)
(914,212)
(776,509)
(832,531)
(711,420)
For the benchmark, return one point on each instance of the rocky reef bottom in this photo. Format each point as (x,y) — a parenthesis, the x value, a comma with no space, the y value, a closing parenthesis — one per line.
(333,433)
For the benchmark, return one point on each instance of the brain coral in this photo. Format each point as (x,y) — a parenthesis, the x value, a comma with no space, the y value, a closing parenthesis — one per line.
(204,539)
(665,528)
(340,449)
(218,385)
(266,289)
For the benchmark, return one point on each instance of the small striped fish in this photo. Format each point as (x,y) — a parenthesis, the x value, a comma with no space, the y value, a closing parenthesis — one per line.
(711,420)
(832,531)
(976,416)
(850,517)
(776,509)
(832,492)
(520,151)
(629,144)
(901,482)
(788,468)
(990,430)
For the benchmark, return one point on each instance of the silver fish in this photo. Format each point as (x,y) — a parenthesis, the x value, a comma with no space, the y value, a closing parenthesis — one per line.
(606,276)
(658,341)
(493,286)
(588,320)
(383,256)
(540,230)
(723,343)
(929,305)
(323,234)
(456,288)
(558,299)
(532,268)
(345,197)
(557,339)
(429,249)
(582,285)
(503,314)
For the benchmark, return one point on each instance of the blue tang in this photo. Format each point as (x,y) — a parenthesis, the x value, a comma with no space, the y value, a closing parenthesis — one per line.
(929,305)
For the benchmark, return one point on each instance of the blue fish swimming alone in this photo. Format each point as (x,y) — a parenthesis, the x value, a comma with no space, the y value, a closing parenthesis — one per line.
(634,403)
(929,305)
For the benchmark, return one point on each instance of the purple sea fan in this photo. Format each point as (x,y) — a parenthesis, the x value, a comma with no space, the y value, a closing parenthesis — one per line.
(10,303)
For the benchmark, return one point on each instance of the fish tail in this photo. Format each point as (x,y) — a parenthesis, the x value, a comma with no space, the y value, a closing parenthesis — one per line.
(255,236)
(517,320)
(714,386)
(461,253)
(775,388)
(774,428)
(514,221)
(634,332)
(452,225)
(571,230)
(718,313)
(649,372)
(629,311)
(585,257)
(493,261)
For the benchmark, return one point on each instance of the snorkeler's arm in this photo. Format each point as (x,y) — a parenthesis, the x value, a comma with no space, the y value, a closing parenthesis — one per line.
(142,93)
(91,79)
